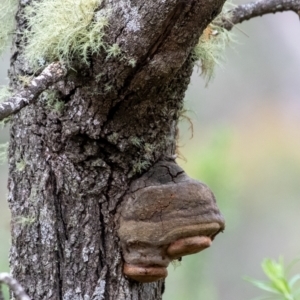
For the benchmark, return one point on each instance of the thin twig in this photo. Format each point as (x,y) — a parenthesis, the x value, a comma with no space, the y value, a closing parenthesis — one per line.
(50,75)
(259,8)
(14,285)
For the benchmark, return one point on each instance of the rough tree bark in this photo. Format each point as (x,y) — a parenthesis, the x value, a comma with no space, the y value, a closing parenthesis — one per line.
(70,168)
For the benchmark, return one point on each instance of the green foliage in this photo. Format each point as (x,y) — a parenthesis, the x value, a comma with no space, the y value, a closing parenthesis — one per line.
(63,30)
(7,22)
(211,46)
(278,283)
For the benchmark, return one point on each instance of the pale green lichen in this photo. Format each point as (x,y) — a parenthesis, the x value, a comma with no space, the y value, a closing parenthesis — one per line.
(33,194)
(113,50)
(4,122)
(20,165)
(176,263)
(132,62)
(98,77)
(25,220)
(5,93)
(52,101)
(113,138)
(3,153)
(7,22)
(25,80)
(58,106)
(48,96)
(212,44)
(136,141)
(99,163)
(63,30)
(108,87)
(140,165)
(149,148)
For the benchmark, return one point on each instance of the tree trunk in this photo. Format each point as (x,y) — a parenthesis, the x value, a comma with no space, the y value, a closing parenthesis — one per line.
(74,153)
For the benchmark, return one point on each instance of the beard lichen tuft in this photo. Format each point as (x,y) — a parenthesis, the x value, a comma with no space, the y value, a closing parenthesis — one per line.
(63,30)
(7,22)
(212,44)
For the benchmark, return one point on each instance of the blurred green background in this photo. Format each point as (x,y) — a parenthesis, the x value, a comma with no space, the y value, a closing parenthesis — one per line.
(246,147)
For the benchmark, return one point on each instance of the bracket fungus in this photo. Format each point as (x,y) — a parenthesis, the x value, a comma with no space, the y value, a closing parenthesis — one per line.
(165,215)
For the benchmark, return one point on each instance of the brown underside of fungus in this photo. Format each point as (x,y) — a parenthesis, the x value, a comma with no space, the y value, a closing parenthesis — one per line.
(165,216)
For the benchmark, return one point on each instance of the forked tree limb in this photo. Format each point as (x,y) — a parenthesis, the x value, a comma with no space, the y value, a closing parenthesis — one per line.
(259,8)
(14,286)
(50,75)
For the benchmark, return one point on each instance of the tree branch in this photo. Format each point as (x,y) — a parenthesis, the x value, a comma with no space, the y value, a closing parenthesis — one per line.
(50,75)
(14,285)
(259,8)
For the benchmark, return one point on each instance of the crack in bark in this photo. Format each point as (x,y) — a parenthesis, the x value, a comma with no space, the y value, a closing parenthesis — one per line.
(125,93)
(167,27)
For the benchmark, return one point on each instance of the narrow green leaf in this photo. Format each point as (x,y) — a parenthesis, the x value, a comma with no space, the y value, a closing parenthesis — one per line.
(273,269)
(281,286)
(263,285)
